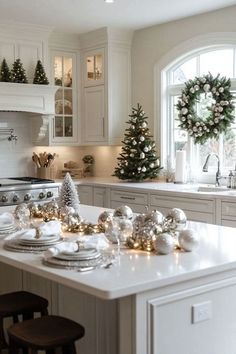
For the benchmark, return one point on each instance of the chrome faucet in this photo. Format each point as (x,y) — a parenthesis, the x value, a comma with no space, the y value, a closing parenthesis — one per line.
(218,173)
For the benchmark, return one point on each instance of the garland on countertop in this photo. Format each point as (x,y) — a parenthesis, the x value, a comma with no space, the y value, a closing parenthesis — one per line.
(220,113)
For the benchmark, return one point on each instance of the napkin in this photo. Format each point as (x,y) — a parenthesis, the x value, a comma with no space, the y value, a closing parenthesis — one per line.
(98,241)
(6,219)
(45,229)
(66,246)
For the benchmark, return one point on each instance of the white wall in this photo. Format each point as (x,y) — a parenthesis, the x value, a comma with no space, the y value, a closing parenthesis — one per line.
(151,44)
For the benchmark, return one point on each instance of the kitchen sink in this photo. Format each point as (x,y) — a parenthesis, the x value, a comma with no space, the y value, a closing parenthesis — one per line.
(212,188)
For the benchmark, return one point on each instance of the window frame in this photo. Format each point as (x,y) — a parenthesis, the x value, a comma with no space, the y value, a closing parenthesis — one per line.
(163,89)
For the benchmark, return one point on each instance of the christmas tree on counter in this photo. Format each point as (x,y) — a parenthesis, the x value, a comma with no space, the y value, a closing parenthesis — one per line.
(138,160)
(18,73)
(40,77)
(5,74)
(68,194)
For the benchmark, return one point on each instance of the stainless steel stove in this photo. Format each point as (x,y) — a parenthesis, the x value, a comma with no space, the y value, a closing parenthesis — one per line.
(16,190)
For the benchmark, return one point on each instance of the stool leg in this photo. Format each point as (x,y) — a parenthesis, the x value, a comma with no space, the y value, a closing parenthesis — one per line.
(27,316)
(50,351)
(15,319)
(3,343)
(13,348)
(69,349)
(44,312)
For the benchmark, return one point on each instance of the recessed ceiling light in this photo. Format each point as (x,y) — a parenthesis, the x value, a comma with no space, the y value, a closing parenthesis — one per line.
(109,1)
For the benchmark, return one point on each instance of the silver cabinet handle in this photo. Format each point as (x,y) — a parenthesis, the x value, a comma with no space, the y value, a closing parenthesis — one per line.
(103,126)
(128,198)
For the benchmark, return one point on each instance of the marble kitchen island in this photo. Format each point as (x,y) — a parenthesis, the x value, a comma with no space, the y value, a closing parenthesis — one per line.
(182,303)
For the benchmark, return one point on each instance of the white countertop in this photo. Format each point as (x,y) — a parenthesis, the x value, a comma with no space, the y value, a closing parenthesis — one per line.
(138,271)
(184,190)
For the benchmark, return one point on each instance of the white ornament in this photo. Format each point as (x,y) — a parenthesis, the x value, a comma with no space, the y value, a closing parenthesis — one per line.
(221,89)
(206,87)
(122,171)
(134,142)
(144,169)
(164,243)
(184,110)
(196,87)
(144,125)
(152,165)
(142,155)
(145,149)
(188,239)
(192,90)
(142,138)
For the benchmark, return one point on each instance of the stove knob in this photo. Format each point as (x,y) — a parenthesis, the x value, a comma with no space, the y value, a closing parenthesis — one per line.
(41,195)
(15,198)
(49,194)
(27,197)
(4,199)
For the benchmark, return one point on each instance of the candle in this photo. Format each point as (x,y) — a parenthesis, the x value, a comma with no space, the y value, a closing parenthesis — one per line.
(180,166)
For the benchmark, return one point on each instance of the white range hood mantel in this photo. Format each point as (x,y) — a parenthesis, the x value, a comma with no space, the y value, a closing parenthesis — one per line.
(27,98)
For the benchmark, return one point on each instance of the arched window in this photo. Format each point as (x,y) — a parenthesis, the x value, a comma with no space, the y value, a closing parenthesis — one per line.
(215,59)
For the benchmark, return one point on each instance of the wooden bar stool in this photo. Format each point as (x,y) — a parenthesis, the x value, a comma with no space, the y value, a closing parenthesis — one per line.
(45,333)
(19,303)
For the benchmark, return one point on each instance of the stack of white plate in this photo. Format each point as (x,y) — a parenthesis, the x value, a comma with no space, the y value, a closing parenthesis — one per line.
(7,228)
(32,245)
(82,260)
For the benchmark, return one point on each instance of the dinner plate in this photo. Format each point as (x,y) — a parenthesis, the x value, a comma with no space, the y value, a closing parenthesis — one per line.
(85,254)
(15,246)
(39,241)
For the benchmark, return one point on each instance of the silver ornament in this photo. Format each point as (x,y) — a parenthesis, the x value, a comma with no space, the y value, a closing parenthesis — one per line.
(188,239)
(123,211)
(104,217)
(176,219)
(164,243)
(154,216)
(125,229)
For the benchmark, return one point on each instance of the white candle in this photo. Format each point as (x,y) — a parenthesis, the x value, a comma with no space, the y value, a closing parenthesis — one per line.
(180,166)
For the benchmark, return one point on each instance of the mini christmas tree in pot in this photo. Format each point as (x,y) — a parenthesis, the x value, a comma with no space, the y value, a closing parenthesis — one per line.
(138,160)
(18,72)
(5,74)
(40,77)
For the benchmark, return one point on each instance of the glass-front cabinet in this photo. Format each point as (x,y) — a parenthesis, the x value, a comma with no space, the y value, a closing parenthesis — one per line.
(94,67)
(64,123)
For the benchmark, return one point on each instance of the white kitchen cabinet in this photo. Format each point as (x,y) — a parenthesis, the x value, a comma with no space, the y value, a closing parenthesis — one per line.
(106,87)
(196,209)
(100,197)
(94,115)
(85,194)
(228,213)
(92,195)
(64,124)
(136,201)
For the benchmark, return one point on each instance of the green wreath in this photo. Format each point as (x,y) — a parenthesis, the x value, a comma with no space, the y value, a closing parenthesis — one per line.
(219,114)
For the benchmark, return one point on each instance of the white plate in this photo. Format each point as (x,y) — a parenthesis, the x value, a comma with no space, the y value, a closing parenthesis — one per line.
(4,227)
(39,241)
(86,254)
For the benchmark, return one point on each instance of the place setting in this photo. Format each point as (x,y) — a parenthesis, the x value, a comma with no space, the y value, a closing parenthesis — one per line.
(7,224)
(78,255)
(36,239)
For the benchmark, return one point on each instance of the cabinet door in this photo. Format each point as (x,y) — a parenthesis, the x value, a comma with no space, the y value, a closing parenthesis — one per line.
(94,115)
(64,123)
(93,67)
(85,195)
(99,197)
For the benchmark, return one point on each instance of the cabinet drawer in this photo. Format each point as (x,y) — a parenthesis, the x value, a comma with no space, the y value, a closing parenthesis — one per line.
(129,197)
(85,194)
(228,209)
(201,205)
(136,208)
(192,215)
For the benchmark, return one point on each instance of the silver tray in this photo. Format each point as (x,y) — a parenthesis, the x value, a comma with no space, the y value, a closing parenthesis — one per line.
(15,246)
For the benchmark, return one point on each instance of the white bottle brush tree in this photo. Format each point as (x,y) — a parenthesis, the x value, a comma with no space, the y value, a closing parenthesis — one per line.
(68,194)
(138,159)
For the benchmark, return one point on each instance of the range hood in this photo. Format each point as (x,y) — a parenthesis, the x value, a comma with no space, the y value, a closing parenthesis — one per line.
(27,98)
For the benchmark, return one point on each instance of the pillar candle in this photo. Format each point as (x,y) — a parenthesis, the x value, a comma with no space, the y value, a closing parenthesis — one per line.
(180,166)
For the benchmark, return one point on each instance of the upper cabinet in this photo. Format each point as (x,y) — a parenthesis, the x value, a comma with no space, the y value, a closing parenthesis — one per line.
(93,69)
(106,73)
(64,122)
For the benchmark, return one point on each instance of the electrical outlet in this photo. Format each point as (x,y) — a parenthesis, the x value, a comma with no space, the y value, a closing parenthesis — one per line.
(201,312)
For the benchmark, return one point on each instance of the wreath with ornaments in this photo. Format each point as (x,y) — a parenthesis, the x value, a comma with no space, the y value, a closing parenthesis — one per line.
(218,113)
